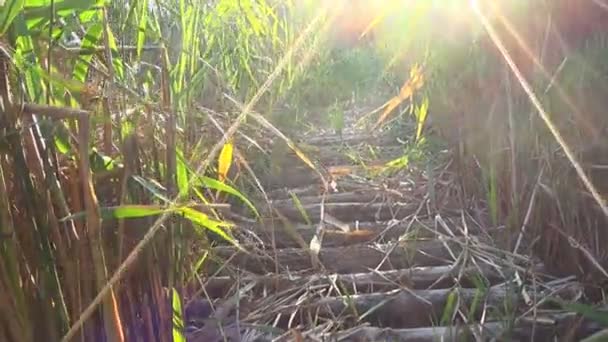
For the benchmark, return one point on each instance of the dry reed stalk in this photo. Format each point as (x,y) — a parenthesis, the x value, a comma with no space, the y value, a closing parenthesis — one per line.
(112,321)
(119,273)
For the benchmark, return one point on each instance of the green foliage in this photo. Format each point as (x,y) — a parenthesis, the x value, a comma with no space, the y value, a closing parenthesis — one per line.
(336,118)
(178,319)
(156,60)
(336,75)
(588,311)
(300,207)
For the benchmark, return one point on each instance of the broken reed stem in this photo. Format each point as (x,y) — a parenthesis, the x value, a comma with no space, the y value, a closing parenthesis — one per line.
(98,49)
(53,112)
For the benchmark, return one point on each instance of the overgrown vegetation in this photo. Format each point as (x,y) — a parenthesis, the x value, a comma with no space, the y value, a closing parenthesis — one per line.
(128,127)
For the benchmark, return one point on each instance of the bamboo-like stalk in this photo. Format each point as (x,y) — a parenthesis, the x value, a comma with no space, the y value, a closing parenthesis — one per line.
(112,321)
(52,299)
(11,294)
(171,184)
(107,127)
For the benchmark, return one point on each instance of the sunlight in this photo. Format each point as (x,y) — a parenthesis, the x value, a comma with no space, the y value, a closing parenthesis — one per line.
(364,20)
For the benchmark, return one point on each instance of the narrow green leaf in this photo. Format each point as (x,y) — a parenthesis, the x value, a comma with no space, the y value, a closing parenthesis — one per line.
(35,9)
(421,114)
(450,308)
(135,211)
(123,212)
(87,16)
(203,220)
(493,194)
(200,262)
(141,31)
(117,63)
(178,320)
(61,145)
(300,207)
(154,187)
(182,174)
(27,61)
(62,139)
(91,39)
(215,184)
(8,12)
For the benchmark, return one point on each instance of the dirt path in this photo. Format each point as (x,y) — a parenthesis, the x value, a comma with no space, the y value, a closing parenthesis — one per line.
(378,259)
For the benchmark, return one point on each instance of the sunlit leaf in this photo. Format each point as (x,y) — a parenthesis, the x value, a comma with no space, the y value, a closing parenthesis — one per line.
(141,31)
(299,206)
(480,292)
(122,212)
(225,161)
(400,162)
(138,211)
(27,62)
(36,9)
(88,16)
(208,182)
(390,107)
(178,319)
(337,119)
(101,162)
(61,139)
(421,114)
(182,174)
(91,39)
(135,211)
(217,185)
(492,192)
(58,81)
(450,308)
(200,262)
(217,227)
(415,82)
(116,60)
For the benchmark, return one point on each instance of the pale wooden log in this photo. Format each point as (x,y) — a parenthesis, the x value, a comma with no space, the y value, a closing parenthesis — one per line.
(365,282)
(350,259)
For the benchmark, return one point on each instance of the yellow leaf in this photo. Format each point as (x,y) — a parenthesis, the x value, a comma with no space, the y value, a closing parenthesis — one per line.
(301,155)
(224,161)
(391,105)
(415,82)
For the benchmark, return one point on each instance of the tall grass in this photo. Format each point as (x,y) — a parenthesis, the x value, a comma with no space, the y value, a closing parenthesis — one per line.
(529,117)
(516,139)
(81,187)
(108,109)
